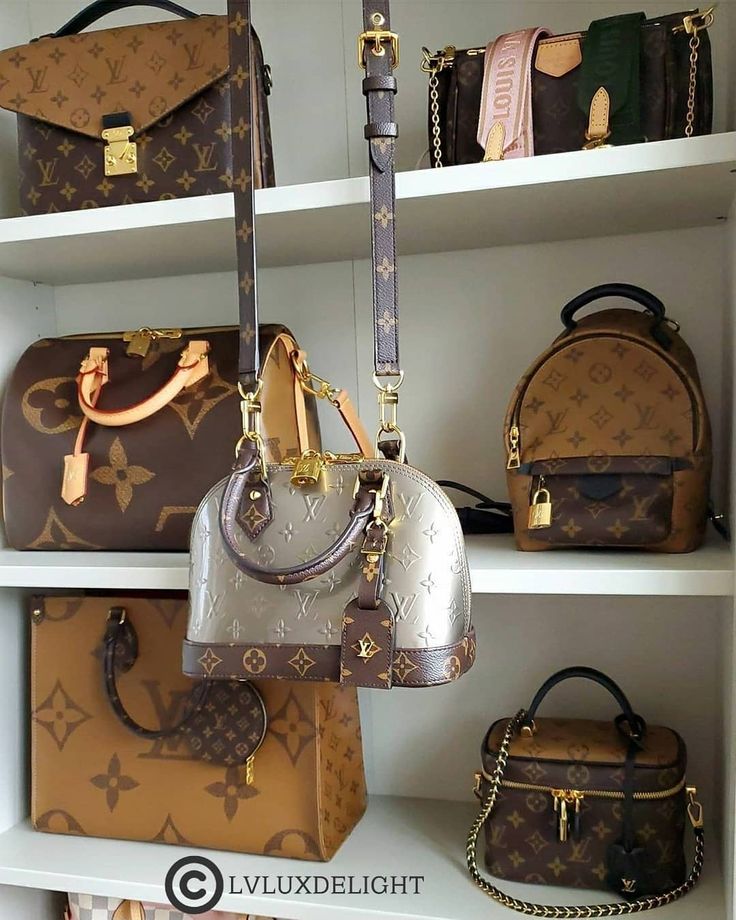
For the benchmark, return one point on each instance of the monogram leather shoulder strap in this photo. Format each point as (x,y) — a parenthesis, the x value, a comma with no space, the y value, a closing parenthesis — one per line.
(241,138)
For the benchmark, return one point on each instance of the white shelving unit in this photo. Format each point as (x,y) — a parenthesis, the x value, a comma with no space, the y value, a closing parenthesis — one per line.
(490,253)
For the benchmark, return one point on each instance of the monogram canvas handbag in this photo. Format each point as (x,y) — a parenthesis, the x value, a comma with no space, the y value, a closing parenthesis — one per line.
(586,804)
(123,746)
(138,113)
(607,434)
(329,567)
(626,79)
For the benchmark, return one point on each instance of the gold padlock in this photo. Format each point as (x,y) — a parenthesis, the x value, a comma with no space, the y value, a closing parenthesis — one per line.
(540,511)
(308,469)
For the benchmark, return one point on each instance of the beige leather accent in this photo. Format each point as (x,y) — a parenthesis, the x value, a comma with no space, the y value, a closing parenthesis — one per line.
(600,107)
(147,70)
(349,414)
(495,143)
(74,484)
(556,58)
(587,740)
(130,910)
(192,367)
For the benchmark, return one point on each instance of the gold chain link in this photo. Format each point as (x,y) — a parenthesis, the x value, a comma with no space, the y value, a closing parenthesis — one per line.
(434,106)
(586,912)
(693,85)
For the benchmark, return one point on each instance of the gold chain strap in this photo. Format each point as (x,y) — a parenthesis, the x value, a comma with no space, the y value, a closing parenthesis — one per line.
(690,117)
(434,106)
(617,909)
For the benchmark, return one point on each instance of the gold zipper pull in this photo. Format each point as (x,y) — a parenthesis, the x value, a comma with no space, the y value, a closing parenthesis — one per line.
(540,510)
(578,808)
(308,469)
(514,457)
(250,770)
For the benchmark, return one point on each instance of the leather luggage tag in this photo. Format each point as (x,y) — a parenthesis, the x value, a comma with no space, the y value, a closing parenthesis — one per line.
(367,646)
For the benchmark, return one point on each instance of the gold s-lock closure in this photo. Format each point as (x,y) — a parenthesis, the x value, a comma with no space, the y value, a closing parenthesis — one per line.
(120,154)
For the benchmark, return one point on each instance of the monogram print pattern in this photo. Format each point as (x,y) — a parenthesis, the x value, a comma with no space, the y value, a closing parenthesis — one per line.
(559,123)
(614,434)
(171,78)
(522,842)
(95,907)
(432,599)
(145,480)
(308,787)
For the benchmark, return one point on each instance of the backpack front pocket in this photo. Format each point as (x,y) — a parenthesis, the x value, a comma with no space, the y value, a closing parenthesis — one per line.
(601,500)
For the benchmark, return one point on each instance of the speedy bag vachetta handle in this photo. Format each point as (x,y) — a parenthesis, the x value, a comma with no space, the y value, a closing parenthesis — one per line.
(93,375)
(90,14)
(636,725)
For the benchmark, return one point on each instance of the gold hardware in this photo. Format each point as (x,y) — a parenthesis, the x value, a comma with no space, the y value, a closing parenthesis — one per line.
(563,799)
(255,495)
(388,403)
(366,648)
(529,731)
(514,456)
(139,341)
(478,777)
(121,154)
(376,37)
(308,469)
(597,142)
(692,25)
(694,808)
(433,64)
(540,510)
(437,62)
(250,770)
(325,390)
(616,795)
(250,411)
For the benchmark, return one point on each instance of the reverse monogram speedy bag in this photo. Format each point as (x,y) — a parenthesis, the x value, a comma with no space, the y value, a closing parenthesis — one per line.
(627,79)
(331,567)
(607,434)
(586,804)
(137,113)
(124,746)
(110,441)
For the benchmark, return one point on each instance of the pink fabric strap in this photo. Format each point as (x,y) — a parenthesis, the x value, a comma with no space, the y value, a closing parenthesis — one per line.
(506,100)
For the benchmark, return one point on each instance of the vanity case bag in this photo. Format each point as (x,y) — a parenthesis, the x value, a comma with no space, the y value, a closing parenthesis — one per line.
(95,907)
(124,746)
(134,113)
(333,567)
(607,434)
(530,92)
(586,804)
(119,455)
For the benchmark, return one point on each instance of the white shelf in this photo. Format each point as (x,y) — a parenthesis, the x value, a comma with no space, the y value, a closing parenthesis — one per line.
(397,836)
(663,185)
(496,568)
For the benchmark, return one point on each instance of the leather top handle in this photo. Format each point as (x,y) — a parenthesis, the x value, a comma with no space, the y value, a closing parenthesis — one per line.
(101,8)
(93,375)
(379,56)
(635,723)
(631,292)
(369,484)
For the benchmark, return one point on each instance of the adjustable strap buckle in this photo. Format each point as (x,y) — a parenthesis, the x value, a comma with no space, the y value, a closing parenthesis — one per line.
(377,38)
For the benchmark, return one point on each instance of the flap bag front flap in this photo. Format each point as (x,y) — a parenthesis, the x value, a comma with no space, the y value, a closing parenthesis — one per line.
(147,71)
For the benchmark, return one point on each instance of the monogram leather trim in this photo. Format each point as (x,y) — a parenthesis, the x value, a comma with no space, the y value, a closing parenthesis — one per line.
(410,667)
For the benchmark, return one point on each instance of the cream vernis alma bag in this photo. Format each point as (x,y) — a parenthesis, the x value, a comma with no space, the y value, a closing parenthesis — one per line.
(333,567)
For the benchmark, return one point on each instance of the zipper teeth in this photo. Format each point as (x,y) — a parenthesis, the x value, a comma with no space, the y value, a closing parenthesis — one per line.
(595,793)
(627,338)
(118,335)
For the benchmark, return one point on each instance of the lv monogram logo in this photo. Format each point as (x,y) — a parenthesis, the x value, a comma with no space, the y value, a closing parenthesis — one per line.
(166,714)
(404,604)
(498,832)
(194,56)
(38,79)
(641,507)
(629,885)
(115,67)
(313,503)
(579,851)
(48,172)
(305,600)
(646,418)
(205,154)
(555,421)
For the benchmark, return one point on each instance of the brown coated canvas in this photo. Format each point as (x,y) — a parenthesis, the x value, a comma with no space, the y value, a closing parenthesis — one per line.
(617,426)
(146,479)
(93,777)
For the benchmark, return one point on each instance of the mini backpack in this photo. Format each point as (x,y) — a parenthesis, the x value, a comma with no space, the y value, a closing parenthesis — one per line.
(607,434)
